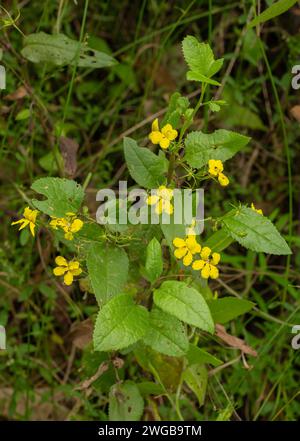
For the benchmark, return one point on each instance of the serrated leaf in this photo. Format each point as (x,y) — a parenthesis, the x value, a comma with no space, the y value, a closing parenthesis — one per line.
(166,334)
(154,260)
(195,377)
(226,309)
(108,270)
(200,57)
(273,11)
(63,195)
(187,304)
(196,76)
(119,324)
(254,231)
(125,402)
(60,50)
(197,355)
(146,168)
(222,144)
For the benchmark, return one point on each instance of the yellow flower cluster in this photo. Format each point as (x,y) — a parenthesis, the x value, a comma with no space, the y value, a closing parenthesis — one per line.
(163,137)
(69,224)
(162,200)
(207,264)
(28,219)
(215,169)
(68,269)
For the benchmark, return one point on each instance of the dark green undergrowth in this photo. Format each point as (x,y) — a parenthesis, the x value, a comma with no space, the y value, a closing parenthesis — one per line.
(49,369)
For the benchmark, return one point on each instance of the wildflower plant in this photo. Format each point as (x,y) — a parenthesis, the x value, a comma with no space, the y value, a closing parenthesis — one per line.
(154,283)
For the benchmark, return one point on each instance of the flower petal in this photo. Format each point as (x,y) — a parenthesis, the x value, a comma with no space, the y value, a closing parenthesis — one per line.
(214,272)
(76,272)
(205,253)
(216,258)
(155,125)
(155,137)
(198,264)
(59,270)
(167,207)
(180,252)
(68,278)
(178,242)
(61,261)
(74,265)
(188,258)
(159,207)
(224,181)
(164,142)
(205,271)
(76,225)
(32,227)
(25,223)
(151,200)
(17,222)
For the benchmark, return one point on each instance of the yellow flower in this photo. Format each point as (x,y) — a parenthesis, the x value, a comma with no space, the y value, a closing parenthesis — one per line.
(164,136)
(29,218)
(67,269)
(207,264)
(186,248)
(162,200)
(69,225)
(258,210)
(215,169)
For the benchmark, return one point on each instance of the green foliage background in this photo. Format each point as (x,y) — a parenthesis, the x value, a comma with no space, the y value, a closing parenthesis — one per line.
(49,370)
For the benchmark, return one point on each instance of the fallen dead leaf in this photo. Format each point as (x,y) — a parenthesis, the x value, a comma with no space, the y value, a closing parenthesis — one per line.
(234,342)
(295,112)
(18,94)
(68,148)
(81,333)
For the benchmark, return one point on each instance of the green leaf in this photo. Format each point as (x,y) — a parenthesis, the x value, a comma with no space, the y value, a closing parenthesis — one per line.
(119,324)
(187,304)
(172,230)
(147,388)
(226,309)
(200,57)
(108,270)
(154,260)
(63,195)
(273,11)
(254,231)
(239,116)
(195,377)
(167,370)
(60,50)
(176,109)
(166,334)
(146,168)
(197,355)
(222,144)
(23,114)
(219,240)
(195,76)
(125,402)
